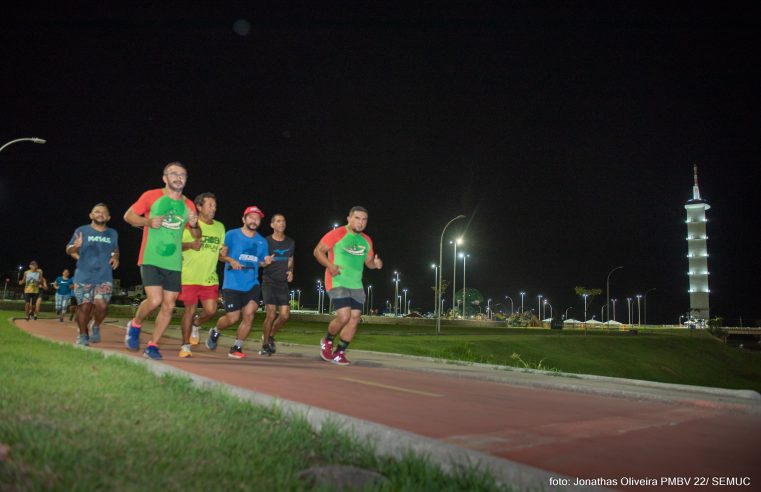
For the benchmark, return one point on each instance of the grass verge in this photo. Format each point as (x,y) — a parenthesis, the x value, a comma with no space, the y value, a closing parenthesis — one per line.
(73,420)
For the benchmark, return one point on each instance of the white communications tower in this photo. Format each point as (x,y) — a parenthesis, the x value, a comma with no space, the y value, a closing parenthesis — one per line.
(697,252)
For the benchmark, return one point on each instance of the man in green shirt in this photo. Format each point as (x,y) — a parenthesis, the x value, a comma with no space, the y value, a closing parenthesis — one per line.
(345,252)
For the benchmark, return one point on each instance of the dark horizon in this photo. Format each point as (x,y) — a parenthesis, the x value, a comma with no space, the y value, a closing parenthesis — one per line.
(566,135)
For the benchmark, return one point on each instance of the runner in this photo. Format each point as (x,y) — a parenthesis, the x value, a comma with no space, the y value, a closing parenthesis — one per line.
(163,214)
(344,252)
(31,280)
(199,271)
(244,252)
(96,248)
(275,280)
(62,286)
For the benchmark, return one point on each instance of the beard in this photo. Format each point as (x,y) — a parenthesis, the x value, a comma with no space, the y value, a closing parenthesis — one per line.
(100,222)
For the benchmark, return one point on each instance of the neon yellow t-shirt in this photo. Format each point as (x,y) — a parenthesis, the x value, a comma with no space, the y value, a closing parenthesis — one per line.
(200,267)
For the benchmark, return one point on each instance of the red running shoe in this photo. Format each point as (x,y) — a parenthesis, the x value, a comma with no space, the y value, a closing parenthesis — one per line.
(339,358)
(326,350)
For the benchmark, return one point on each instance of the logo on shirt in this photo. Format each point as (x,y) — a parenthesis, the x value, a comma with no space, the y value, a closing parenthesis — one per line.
(98,239)
(246,257)
(281,252)
(356,250)
(172,221)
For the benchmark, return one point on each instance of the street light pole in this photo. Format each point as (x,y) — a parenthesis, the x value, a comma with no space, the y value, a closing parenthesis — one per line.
(629,309)
(25,139)
(464,257)
(585,306)
(369,299)
(522,294)
(607,291)
(435,285)
(396,293)
(639,320)
(646,293)
(405,300)
(539,308)
(511,304)
(454,272)
(488,308)
(439,303)
(298,299)
(614,309)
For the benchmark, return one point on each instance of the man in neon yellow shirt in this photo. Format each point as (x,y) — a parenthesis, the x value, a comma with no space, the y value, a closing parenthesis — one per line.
(199,270)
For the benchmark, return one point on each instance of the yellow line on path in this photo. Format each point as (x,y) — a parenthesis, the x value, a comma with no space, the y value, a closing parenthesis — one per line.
(394,388)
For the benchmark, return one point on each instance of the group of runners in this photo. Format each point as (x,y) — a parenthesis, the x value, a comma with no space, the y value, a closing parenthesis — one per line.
(181,246)
(35,284)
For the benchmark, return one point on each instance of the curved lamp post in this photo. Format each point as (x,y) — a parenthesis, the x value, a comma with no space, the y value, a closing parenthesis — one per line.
(441,253)
(607,291)
(25,139)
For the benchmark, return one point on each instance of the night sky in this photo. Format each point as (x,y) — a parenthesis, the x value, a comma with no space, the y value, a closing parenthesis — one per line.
(566,133)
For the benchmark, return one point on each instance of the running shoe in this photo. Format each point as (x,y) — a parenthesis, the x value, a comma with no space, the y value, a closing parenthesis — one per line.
(211,340)
(29,317)
(132,338)
(326,350)
(152,352)
(194,332)
(236,353)
(339,358)
(185,351)
(271,343)
(82,340)
(61,319)
(266,350)
(95,334)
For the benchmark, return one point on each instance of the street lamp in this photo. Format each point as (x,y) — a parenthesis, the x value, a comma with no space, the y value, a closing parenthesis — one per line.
(646,293)
(440,303)
(488,308)
(547,303)
(607,292)
(566,311)
(298,299)
(614,309)
(585,306)
(464,257)
(369,299)
(454,272)
(639,320)
(335,225)
(18,279)
(405,300)
(396,293)
(522,294)
(539,308)
(629,308)
(25,139)
(435,285)
(319,296)
(511,304)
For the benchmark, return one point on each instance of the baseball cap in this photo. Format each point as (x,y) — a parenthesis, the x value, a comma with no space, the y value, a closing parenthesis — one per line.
(253,209)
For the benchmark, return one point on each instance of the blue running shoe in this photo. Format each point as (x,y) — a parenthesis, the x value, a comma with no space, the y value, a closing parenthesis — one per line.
(132,339)
(95,334)
(83,340)
(152,352)
(211,340)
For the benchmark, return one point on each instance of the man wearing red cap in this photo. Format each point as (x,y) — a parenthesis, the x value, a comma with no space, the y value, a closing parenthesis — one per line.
(244,252)
(344,252)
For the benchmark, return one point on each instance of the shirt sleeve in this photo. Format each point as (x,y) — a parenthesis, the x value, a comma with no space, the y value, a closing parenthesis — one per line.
(331,238)
(143,204)
(371,252)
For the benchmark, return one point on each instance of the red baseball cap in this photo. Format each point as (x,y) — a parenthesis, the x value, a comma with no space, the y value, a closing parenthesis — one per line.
(253,209)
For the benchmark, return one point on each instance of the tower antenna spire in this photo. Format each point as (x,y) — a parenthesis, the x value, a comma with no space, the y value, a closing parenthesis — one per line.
(695,189)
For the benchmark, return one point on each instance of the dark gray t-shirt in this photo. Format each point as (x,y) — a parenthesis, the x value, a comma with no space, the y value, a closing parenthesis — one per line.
(93,265)
(277,272)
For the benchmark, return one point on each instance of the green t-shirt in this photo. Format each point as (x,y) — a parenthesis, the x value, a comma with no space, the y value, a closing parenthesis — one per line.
(200,267)
(162,247)
(349,251)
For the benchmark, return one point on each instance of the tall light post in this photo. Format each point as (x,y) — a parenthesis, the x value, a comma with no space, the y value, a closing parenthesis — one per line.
(298,299)
(585,306)
(566,311)
(319,296)
(614,309)
(639,320)
(396,293)
(405,301)
(369,299)
(539,308)
(464,257)
(435,286)
(646,293)
(547,303)
(511,304)
(18,279)
(607,290)
(454,271)
(440,303)
(629,308)
(488,307)
(522,295)
(25,139)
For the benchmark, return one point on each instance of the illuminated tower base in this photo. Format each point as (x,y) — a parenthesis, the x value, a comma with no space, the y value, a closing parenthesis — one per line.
(697,252)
